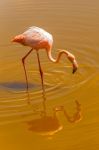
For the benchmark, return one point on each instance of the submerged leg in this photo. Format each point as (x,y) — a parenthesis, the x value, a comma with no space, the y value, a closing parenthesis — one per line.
(23,62)
(42,81)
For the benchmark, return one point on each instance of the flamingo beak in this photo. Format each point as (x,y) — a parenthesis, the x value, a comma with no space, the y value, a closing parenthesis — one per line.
(75,66)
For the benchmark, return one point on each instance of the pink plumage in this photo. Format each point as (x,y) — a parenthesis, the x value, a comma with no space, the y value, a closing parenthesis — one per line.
(37,39)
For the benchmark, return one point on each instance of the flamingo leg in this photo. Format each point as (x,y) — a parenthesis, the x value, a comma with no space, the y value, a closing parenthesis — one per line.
(42,81)
(23,62)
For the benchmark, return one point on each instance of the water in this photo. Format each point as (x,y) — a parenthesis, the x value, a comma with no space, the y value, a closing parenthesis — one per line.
(74,26)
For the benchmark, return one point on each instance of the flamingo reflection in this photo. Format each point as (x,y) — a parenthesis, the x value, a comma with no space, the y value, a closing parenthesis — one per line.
(50,124)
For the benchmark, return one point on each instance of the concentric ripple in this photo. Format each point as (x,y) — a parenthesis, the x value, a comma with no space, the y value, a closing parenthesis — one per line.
(58,80)
(77,32)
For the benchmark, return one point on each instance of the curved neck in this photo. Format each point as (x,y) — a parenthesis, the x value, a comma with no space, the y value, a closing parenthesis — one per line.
(58,57)
(70,57)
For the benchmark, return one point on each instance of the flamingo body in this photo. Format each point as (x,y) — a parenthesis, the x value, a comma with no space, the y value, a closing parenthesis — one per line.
(35,37)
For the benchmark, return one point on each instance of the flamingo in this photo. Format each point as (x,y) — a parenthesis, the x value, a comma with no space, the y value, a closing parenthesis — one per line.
(37,38)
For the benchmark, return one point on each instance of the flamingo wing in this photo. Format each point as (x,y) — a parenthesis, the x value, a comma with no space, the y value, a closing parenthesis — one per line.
(35,36)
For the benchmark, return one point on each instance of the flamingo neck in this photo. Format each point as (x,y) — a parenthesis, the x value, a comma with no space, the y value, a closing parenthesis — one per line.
(58,57)
(50,56)
(69,55)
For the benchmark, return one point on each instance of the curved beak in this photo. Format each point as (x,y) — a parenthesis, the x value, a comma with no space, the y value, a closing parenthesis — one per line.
(75,66)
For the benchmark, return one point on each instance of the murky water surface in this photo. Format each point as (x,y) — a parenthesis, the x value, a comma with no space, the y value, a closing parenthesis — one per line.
(75,27)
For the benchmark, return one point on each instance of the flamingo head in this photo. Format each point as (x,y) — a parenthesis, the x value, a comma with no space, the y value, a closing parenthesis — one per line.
(18,39)
(75,66)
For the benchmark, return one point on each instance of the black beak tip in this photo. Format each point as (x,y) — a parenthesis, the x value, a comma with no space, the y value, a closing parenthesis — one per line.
(74,70)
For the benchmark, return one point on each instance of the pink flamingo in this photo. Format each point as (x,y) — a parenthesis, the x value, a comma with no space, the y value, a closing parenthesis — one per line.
(37,39)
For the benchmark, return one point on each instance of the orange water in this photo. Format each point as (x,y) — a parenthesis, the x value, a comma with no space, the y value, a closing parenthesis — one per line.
(75,27)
